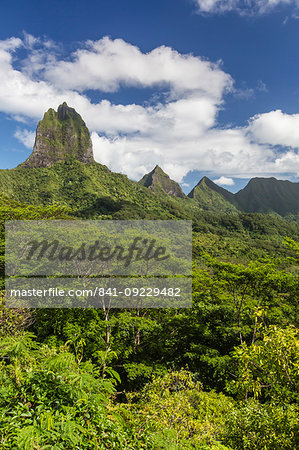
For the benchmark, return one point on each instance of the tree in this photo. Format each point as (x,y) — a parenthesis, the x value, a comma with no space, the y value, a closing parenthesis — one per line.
(269,368)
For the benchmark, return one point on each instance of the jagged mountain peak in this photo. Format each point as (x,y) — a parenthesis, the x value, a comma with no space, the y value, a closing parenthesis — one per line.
(159,182)
(64,112)
(210,196)
(205,181)
(60,135)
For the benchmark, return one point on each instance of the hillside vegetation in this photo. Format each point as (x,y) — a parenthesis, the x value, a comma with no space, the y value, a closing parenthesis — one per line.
(159,379)
(222,375)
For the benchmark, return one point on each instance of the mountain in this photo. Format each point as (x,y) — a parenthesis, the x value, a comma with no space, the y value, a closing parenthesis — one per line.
(159,182)
(90,189)
(212,197)
(59,136)
(269,195)
(61,169)
(260,195)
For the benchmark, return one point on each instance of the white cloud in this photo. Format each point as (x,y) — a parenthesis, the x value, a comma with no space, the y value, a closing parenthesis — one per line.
(216,6)
(287,160)
(243,7)
(10,44)
(276,128)
(229,152)
(180,133)
(26,137)
(225,181)
(30,41)
(109,64)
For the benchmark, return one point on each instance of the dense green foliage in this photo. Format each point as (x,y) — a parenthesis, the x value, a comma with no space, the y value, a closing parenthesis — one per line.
(222,375)
(92,189)
(96,192)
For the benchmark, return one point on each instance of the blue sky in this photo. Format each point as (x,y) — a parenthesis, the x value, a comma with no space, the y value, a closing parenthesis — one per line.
(200,87)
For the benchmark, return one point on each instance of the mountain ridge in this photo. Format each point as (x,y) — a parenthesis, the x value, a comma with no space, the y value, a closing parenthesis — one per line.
(63,143)
(269,194)
(213,197)
(260,195)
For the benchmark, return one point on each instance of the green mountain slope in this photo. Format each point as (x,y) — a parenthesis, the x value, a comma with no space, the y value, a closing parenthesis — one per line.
(213,198)
(269,195)
(91,189)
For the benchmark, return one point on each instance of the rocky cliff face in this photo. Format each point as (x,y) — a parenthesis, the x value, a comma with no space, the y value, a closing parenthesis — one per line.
(60,136)
(159,182)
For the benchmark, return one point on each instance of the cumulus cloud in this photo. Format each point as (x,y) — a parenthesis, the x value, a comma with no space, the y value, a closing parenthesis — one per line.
(225,181)
(220,151)
(180,132)
(26,137)
(287,160)
(243,7)
(276,128)
(109,64)
(10,44)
